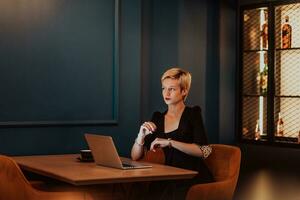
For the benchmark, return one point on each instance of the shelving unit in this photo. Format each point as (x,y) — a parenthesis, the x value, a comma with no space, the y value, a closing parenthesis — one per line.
(269,75)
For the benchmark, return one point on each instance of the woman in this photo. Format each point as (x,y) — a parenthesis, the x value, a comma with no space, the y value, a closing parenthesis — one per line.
(179,131)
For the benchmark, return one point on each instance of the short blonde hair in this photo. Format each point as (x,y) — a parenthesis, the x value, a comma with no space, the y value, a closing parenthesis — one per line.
(184,77)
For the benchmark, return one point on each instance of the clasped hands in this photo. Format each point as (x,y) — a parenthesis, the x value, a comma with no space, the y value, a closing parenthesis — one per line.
(148,128)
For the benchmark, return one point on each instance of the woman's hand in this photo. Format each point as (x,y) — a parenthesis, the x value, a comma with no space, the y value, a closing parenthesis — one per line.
(160,143)
(147,128)
(137,149)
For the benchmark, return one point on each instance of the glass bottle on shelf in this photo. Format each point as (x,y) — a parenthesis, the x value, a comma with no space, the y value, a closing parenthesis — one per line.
(264,31)
(286,34)
(257,131)
(262,80)
(245,131)
(280,126)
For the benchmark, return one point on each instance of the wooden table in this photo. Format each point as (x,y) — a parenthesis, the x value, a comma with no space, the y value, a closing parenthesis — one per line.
(68,169)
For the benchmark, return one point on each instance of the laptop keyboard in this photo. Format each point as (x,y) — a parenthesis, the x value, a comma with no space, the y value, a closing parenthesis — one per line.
(127,165)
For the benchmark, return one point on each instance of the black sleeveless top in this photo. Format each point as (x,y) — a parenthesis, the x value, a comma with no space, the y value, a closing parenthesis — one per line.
(190,130)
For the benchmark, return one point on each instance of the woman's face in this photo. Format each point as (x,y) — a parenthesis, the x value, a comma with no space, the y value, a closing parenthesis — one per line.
(171,91)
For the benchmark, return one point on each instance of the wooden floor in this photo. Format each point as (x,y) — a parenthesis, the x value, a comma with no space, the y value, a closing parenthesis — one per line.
(270,182)
(269,174)
(268,185)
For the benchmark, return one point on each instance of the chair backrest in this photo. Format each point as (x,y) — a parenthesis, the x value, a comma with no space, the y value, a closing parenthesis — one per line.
(157,156)
(224,162)
(13,184)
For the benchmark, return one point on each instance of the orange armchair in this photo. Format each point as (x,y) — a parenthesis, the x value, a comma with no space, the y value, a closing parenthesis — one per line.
(224,163)
(155,157)
(14,185)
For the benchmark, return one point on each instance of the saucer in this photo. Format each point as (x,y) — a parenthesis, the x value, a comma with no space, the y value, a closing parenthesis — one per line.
(85,160)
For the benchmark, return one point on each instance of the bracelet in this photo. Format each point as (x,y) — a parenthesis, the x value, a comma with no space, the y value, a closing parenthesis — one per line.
(206,150)
(140,144)
(170,143)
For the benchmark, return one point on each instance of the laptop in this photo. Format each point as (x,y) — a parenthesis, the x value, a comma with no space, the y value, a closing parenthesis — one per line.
(105,153)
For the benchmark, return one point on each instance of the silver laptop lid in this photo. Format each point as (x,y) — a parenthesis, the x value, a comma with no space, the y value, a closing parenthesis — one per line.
(103,150)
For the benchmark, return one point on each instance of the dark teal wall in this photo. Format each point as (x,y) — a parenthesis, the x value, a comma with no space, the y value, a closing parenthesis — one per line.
(58,61)
(228,66)
(163,47)
(89,55)
(249,2)
(153,35)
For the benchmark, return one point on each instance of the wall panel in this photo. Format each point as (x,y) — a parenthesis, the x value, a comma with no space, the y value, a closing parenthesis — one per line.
(59,62)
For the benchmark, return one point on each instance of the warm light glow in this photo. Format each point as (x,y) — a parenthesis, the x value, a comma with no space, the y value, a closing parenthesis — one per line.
(261,114)
(261,22)
(261,53)
(261,68)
